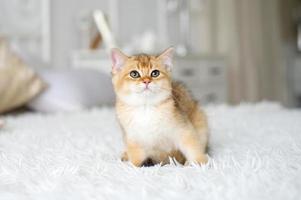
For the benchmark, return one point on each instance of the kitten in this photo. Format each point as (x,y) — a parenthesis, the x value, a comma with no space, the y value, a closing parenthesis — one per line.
(158,117)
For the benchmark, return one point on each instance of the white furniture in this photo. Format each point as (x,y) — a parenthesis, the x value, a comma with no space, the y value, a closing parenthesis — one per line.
(27,25)
(296,81)
(204,76)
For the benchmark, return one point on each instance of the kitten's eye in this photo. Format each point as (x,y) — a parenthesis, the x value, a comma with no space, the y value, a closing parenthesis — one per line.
(155,73)
(134,74)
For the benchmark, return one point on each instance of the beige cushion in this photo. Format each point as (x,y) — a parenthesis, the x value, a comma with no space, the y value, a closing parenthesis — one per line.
(18,83)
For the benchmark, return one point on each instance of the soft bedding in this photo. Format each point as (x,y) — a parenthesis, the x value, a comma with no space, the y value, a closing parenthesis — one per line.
(255,153)
(18,82)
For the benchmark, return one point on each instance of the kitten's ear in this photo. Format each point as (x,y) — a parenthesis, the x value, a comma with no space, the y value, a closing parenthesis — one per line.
(167,57)
(118,60)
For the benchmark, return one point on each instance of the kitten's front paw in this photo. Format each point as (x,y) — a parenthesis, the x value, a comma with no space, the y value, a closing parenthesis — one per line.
(201,160)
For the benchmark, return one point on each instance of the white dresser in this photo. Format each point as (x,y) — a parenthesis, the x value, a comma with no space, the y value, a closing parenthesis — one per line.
(295,81)
(204,76)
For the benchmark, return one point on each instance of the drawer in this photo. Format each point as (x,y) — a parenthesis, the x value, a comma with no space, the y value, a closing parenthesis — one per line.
(212,94)
(205,84)
(199,71)
(297,76)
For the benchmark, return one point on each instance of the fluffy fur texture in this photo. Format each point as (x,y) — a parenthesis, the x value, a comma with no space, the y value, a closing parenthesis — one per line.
(158,117)
(254,149)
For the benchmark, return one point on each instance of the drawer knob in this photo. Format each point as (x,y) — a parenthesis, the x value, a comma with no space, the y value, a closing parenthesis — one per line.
(214,71)
(187,72)
(211,97)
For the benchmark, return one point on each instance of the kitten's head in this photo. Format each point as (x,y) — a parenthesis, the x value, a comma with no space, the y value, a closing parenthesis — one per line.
(142,78)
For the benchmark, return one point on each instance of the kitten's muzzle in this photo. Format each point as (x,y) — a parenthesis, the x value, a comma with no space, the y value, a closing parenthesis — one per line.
(146,81)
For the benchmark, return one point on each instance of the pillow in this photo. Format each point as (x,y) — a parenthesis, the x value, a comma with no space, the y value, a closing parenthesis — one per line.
(73,90)
(18,83)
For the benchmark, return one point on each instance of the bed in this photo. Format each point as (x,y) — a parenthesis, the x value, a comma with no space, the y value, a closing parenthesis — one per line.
(255,153)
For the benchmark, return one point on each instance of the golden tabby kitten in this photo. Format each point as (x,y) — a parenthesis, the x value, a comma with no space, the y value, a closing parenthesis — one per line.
(158,117)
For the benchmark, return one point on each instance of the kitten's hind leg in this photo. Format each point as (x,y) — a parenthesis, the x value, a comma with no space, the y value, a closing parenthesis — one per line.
(193,148)
(178,156)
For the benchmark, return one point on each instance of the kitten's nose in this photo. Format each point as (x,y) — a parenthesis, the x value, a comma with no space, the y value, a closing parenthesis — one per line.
(146,81)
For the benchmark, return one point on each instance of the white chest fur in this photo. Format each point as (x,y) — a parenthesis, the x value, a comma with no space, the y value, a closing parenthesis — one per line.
(149,126)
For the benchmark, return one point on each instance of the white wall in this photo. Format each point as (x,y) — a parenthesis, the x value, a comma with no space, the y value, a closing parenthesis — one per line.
(64,32)
(135,17)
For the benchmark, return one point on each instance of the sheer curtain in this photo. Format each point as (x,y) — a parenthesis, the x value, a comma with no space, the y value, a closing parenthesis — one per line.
(249,34)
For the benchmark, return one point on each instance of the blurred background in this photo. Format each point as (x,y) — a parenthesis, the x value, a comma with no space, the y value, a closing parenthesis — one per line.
(227,51)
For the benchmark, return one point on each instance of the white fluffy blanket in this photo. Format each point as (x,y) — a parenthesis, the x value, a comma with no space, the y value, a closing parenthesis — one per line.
(255,153)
